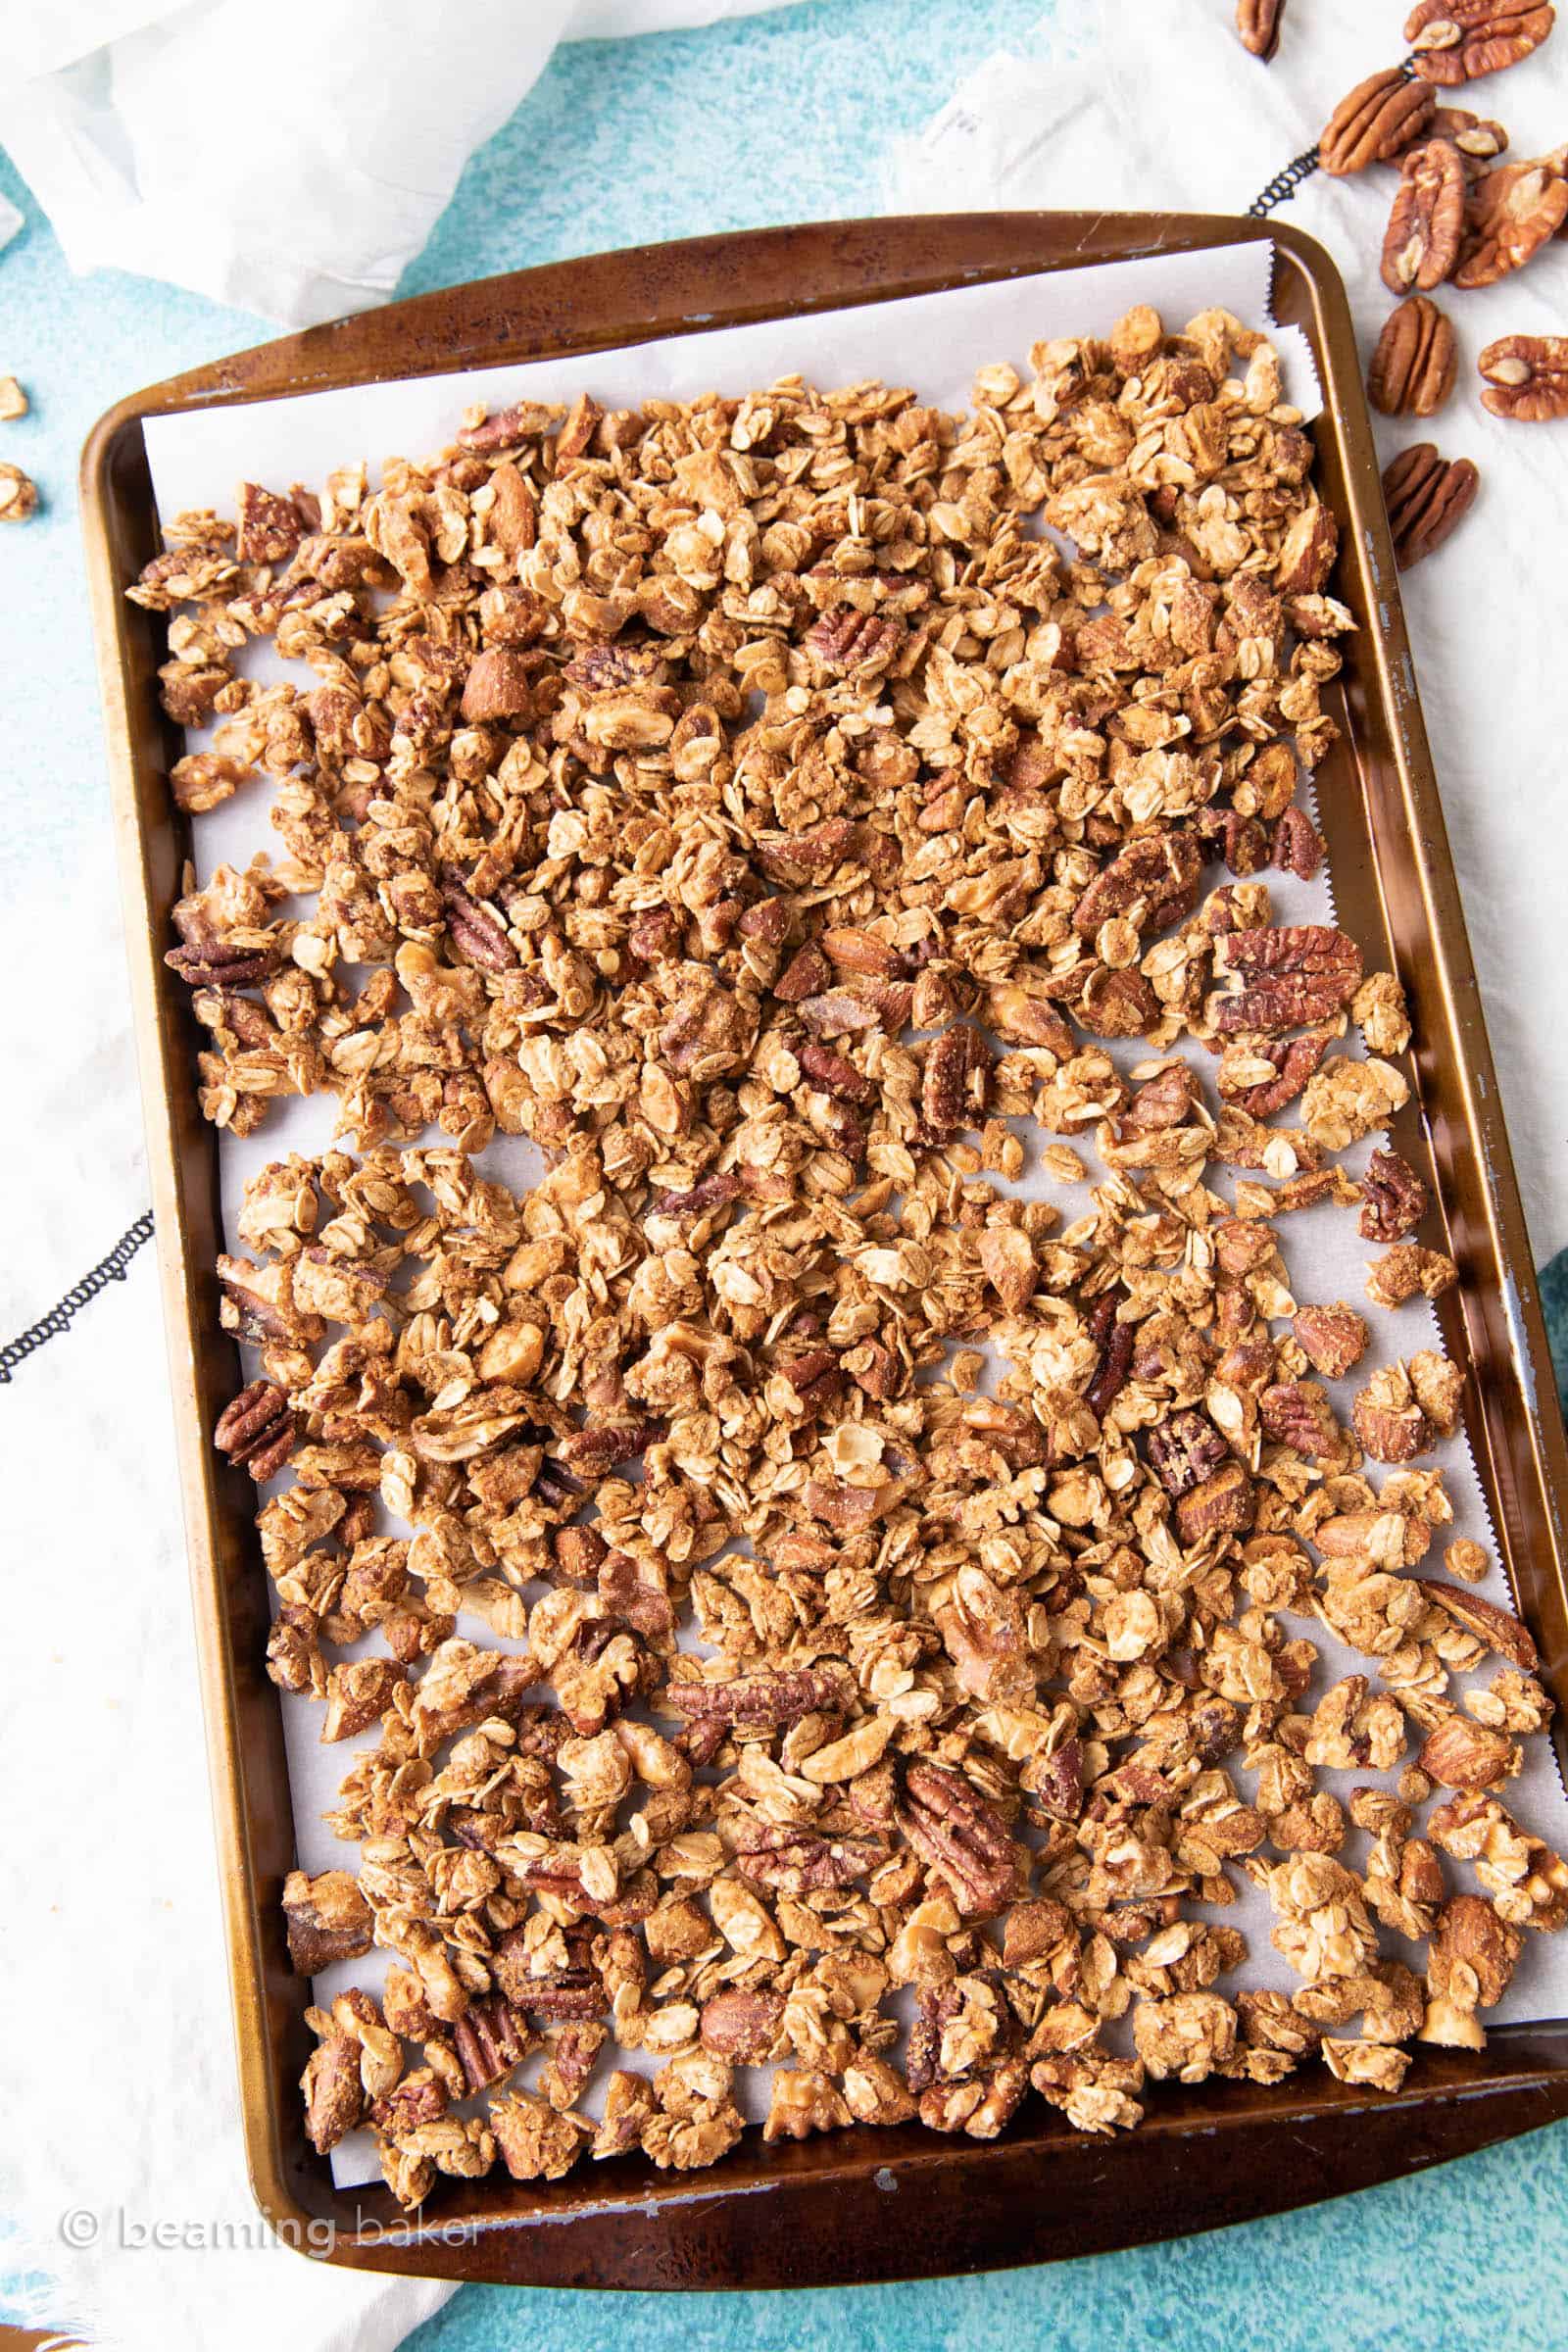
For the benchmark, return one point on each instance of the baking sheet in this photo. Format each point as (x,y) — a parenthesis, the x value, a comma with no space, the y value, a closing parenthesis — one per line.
(933,343)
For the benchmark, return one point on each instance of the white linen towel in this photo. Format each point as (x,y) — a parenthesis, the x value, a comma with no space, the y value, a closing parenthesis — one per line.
(290,159)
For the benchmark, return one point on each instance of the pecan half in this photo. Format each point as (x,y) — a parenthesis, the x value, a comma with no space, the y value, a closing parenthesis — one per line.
(1459,40)
(1511,212)
(1527,378)
(948,1822)
(1421,243)
(1116,1344)
(1427,497)
(1156,875)
(1259,23)
(1380,118)
(206,963)
(1297,846)
(1415,361)
(258,1429)
(1294,1060)
(845,638)
(475,931)
(1394,1197)
(490,2039)
(946,1092)
(801,1862)
(764,1699)
(1293,974)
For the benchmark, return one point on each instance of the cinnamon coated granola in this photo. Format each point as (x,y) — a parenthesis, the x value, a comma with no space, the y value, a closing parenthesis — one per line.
(745,802)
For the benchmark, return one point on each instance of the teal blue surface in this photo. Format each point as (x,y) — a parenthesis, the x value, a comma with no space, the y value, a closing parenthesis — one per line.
(778,118)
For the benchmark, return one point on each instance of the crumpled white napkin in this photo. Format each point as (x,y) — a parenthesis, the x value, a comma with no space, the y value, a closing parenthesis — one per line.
(288,159)
(1138,105)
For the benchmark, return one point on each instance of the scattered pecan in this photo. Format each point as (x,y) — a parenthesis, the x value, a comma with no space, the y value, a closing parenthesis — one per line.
(1224,1505)
(959,1837)
(756,1699)
(490,2039)
(1480,141)
(1259,23)
(1415,361)
(1428,497)
(1512,211)
(1378,118)
(845,638)
(475,930)
(1421,243)
(1527,378)
(1292,975)
(1297,846)
(1459,40)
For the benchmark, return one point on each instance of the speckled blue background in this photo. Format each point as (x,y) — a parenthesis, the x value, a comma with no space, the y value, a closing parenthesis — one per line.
(776,119)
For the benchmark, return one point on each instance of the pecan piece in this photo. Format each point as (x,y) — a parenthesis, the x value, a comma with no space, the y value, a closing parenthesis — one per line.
(1294,1059)
(1380,118)
(1427,497)
(1421,242)
(1482,1618)
(490,2039)
(1527,378)
(836,1075)
(594,1452)
(327,1919)
(1413,367)
(270,527)
(475,931)
(948,1088)
(1511,212)
(801,1862)
(258,1430)
(1333,1339)
(1297,846)
(1459,40)
(1185,1451)
(204,961)
(757,1700)
(1291,974)
(1259,23)
(1158,876)
(958,1835)
(1111,1373)
(1394,1197)
(845,638)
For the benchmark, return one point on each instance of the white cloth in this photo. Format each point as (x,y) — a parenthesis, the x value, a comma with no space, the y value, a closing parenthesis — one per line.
(289,158)
(1160,108)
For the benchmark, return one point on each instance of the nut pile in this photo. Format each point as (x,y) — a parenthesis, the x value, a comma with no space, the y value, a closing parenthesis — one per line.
(744,802)
(1461,216)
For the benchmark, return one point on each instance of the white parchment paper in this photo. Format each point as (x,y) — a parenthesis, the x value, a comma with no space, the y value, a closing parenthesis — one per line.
(933,343)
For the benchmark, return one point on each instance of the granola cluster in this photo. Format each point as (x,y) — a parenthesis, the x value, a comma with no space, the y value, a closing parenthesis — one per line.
(749,802)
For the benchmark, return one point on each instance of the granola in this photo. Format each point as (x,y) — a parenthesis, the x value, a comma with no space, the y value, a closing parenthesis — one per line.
(739,801)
